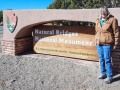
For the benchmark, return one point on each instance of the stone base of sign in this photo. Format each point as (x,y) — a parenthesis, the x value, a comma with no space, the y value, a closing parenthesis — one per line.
(17,46)
(116,59)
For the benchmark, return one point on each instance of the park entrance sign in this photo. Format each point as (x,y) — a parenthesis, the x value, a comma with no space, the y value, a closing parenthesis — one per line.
(68,41)
(30,30)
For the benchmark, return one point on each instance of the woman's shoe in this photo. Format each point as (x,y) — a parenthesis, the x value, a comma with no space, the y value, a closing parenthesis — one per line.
(108,80)
(102,77)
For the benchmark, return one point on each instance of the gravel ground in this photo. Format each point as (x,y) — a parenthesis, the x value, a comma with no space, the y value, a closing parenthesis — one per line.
(46,72)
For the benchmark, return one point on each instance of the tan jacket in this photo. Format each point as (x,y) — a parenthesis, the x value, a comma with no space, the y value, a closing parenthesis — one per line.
(108,34)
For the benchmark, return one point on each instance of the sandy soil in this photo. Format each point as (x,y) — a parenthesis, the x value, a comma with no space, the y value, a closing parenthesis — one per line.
(46,72)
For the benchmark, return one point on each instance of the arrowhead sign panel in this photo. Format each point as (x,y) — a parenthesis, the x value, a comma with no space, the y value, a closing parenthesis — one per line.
(11,20)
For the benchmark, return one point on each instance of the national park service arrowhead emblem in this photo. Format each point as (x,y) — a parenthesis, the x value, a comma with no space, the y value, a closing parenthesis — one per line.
(11,20)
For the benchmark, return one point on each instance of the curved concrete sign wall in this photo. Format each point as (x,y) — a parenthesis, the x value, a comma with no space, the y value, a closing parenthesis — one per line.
(29,18)
(77,42)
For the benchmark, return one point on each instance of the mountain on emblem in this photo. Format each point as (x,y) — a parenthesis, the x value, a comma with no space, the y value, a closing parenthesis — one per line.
(11,20)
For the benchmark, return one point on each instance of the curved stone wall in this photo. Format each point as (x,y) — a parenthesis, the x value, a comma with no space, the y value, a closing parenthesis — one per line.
(29,18)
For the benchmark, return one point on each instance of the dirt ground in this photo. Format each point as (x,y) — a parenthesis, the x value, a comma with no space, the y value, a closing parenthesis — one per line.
(46,72)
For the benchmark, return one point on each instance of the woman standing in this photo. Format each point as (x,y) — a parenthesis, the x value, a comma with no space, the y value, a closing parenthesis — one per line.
(106,37)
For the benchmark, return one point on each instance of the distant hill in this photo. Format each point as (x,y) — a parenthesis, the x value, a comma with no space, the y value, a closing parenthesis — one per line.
(1,17)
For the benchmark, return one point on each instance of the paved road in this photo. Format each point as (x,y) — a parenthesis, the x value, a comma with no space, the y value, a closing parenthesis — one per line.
(1,29)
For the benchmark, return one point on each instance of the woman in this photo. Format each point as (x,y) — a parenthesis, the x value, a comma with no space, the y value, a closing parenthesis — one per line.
(106,37)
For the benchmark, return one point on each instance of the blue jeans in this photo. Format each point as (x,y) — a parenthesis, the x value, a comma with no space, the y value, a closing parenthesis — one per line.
(104,53)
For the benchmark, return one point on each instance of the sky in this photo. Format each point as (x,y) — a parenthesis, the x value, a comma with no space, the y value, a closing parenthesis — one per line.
(24,4)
